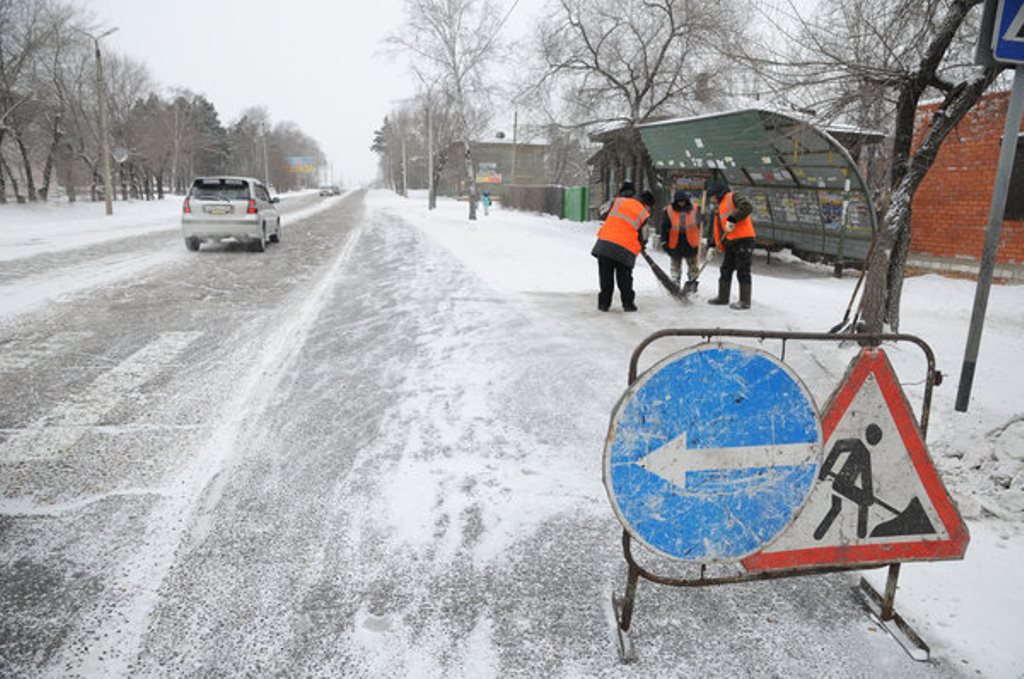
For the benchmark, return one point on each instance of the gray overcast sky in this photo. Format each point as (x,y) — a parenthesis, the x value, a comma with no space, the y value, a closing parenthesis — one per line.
(313,62)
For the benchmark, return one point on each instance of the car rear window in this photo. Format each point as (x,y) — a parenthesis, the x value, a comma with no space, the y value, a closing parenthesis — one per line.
(220,189)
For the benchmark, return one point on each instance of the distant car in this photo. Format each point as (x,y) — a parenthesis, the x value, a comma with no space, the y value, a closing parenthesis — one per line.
(330,190)
(230,207)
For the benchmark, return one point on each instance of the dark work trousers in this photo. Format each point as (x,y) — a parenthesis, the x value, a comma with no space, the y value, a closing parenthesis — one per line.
(611,272)
(739,255)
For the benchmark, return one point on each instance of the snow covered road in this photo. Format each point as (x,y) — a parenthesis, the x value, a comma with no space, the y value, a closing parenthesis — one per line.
(375,450)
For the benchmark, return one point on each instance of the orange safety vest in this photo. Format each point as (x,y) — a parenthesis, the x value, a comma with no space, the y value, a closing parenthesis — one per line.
(744,227)
(691,229)
(623,224)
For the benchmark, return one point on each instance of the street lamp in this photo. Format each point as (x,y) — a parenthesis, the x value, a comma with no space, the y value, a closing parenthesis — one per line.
(101,92)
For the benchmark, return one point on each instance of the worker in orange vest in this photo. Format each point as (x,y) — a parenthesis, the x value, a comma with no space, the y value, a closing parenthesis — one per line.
(619,240)
(734,235)
(680,237)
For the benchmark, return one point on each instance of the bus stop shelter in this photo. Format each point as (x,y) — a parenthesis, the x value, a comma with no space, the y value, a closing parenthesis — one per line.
(807,191)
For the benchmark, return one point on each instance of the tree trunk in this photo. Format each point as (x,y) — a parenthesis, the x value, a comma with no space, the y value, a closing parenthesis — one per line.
(3,180)
(470,180)
(160,185)
(44,192)
(884,282)
(5,168)
(26,162)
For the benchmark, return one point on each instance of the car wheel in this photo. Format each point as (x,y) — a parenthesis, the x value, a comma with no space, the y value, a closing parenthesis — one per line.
(192,244)
(260,244)
(276,236)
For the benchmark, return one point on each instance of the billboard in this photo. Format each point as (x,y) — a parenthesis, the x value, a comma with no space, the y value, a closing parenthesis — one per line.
(301,164)
(487,173)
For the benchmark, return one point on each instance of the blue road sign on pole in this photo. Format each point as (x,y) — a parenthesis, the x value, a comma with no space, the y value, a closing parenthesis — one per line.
(712,452)
(1008,32)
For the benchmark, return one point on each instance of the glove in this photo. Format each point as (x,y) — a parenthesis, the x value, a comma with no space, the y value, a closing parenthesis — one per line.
(730,222)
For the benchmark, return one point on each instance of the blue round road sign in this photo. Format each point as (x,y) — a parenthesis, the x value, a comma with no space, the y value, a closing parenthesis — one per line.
(712,452)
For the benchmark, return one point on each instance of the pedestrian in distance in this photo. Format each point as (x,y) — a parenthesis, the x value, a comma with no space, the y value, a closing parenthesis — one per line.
(680,238)
(734,235)
(619,240)
(486,202)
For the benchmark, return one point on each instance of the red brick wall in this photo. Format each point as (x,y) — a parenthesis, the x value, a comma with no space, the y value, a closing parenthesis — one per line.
(951,206)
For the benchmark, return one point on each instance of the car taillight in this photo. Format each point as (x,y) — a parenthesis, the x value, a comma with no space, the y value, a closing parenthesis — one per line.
(251,210)
(186,208)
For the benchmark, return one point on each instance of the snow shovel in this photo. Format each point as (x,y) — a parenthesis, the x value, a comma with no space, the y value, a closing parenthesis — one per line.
(665,279)
(846,316)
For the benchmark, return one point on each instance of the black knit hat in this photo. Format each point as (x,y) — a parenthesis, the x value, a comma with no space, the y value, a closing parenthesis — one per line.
(718,189)
(627,189)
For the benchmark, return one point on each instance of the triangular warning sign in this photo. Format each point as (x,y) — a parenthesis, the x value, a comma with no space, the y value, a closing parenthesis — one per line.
(877,498)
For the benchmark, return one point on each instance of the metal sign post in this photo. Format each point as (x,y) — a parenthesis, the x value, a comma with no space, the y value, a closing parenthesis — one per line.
(1007,46)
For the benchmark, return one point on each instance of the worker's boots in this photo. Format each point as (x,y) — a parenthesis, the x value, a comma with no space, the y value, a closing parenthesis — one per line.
(724,287)
(690,287)
(744,301)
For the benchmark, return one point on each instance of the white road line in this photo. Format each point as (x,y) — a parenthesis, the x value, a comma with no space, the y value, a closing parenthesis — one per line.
(29,352)
(62,427)
(673,460)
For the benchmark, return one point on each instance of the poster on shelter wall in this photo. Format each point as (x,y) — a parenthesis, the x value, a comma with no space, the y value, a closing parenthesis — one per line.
(487,173)
(693,185)
(831,209)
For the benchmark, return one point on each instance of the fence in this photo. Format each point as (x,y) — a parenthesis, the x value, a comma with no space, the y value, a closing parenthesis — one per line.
(565,203)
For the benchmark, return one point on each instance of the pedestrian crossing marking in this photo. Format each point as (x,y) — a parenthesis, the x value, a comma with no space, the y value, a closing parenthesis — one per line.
(62,427)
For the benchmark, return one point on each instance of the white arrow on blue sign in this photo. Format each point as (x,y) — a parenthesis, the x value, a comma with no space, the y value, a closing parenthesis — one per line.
(1008,33)
(712,452)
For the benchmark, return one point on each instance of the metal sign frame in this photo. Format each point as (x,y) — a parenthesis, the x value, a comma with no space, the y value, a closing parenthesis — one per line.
(882,605)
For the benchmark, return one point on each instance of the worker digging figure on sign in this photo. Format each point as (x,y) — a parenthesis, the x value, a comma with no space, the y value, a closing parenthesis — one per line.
(734,235)
(619,240)
(680,237)
(852,481)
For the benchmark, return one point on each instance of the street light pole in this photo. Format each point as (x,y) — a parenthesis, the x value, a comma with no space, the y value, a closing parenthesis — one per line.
(101,93)
(266,165)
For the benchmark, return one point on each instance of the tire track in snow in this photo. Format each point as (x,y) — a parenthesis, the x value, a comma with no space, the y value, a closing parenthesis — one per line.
(34,291)
(25,353)
(119,635)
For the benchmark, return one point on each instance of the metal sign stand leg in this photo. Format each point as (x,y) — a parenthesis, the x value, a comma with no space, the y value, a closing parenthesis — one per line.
(623,608)
(882,609)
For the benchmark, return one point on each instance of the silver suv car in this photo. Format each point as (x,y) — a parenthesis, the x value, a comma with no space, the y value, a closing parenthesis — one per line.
(230,207)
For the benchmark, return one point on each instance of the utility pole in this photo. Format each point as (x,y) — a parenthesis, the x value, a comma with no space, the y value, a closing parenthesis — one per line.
(515,134)
(405,171)
(101,93)
(266,166)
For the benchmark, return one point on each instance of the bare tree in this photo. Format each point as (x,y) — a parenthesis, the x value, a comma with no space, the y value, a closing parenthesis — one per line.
(26,30)
(872,62)
(451,42)
(49,115)
(629,61)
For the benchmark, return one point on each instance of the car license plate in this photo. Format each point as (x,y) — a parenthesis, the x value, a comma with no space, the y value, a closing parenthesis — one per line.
(218,209)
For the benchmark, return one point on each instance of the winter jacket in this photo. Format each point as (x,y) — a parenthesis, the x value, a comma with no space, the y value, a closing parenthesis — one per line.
(619,235)
(680,232)
(739,208)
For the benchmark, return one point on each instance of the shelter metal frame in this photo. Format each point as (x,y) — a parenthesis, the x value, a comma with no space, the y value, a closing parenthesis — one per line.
(881,605)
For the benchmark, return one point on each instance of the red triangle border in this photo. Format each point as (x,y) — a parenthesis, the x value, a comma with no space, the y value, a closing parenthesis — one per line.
(874,361)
